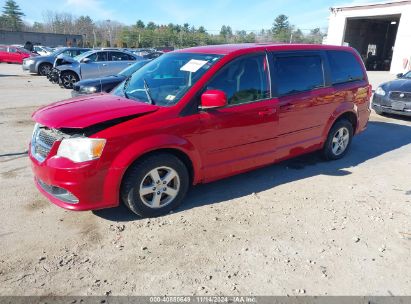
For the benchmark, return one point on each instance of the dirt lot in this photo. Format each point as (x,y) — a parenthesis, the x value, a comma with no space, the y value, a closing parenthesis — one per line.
(299,227)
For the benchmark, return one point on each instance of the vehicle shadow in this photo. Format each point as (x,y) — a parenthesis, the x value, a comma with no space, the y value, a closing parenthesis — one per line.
(378,139)
(398,117)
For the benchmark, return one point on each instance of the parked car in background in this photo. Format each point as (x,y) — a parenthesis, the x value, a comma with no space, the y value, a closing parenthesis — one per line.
(153,55)
(42,65)
(14,54)
(394,96)
(105,84)
(94,63)
(42,50)
(194,116)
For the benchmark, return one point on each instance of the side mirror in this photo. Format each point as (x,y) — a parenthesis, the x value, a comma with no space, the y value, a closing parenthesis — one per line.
(85,60)
(400,75)
(213,99)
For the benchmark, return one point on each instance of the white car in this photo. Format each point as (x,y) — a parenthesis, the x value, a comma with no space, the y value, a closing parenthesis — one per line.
(42,50)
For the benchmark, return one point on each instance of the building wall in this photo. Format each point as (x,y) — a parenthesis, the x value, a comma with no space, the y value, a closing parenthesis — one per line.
(47,39)
(402,48)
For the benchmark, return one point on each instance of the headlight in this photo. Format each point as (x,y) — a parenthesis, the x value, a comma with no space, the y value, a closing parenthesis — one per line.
(380,91)
(81,149)
(88,90)
(29,61)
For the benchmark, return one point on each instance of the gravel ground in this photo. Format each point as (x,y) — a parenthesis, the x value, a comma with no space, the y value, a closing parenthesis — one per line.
(303,226)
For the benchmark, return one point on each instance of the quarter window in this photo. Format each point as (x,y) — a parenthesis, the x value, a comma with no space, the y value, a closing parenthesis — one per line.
(344,67)
(243,80)
(296,74)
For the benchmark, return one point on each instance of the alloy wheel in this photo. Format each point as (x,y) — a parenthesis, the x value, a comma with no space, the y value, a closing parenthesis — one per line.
(159,187)
(68,80)
(340,141)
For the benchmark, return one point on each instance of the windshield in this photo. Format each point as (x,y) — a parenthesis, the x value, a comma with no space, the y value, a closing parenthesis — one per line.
(135,67)
(58,52)
(407,75)
(83,55)
(165,80)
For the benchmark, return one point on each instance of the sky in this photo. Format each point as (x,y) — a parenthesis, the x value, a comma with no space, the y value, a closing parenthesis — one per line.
(249,15)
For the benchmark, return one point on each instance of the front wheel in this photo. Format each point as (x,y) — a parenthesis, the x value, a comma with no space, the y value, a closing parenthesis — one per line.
(45,69)
(68,79)
(155,185)
(338,140)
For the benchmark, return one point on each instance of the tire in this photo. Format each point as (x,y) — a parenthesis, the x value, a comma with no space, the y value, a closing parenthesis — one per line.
(338,140)
(161,195)
(44,69)
(68,79)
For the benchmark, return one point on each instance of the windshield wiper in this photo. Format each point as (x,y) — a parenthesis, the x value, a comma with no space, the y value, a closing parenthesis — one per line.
(147,89)
(125,86)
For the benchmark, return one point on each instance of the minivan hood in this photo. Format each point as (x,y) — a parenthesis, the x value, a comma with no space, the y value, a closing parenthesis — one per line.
(83,112)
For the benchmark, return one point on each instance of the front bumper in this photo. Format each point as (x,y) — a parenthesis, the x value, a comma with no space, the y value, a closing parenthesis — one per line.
(86,183)
(75,93)
(54,75)
(28,67)
(385,104)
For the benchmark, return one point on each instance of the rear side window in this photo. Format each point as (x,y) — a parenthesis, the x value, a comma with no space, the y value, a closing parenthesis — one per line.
(344,67)
(296,74)
(119,56)
(243,80)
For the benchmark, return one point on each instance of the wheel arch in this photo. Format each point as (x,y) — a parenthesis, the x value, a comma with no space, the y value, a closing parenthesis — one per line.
(347,110)
(145,147)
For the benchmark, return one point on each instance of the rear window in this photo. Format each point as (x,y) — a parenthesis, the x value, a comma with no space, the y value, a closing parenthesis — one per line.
(344,67)
(296,74)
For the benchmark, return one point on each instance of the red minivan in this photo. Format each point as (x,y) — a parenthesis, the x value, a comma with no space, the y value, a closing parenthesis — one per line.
(194,116)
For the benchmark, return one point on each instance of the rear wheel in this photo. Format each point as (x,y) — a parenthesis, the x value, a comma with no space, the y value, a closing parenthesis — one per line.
(68,79)
(45,69)
(338,140)
(155,185)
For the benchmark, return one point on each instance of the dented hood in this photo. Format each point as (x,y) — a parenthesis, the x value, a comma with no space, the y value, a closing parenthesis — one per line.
(83,112)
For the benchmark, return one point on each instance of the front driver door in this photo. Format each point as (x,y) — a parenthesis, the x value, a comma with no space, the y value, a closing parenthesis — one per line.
(96,67)
(241,135)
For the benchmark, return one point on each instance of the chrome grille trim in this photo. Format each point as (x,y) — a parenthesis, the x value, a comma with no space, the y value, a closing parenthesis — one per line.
(400,96)
(42,141)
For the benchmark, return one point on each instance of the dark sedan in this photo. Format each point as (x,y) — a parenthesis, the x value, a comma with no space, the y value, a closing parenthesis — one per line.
(105,84)
(394,96)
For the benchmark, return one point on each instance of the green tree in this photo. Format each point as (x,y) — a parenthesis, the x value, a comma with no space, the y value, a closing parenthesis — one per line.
(12,16)
(281,29)
(38,27)
(151,26)
(140,24)
(226,32)
(201,30)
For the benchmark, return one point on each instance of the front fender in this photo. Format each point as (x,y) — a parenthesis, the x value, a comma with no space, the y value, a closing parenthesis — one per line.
(141,147)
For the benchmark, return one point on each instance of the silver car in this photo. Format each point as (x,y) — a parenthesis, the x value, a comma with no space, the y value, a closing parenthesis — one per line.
(94,64)
(42,65)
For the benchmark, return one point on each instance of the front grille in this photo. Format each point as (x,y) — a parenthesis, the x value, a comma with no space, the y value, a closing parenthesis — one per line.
(42,141)
(400,96)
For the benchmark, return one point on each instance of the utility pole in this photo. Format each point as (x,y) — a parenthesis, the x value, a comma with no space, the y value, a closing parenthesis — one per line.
(109,30)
